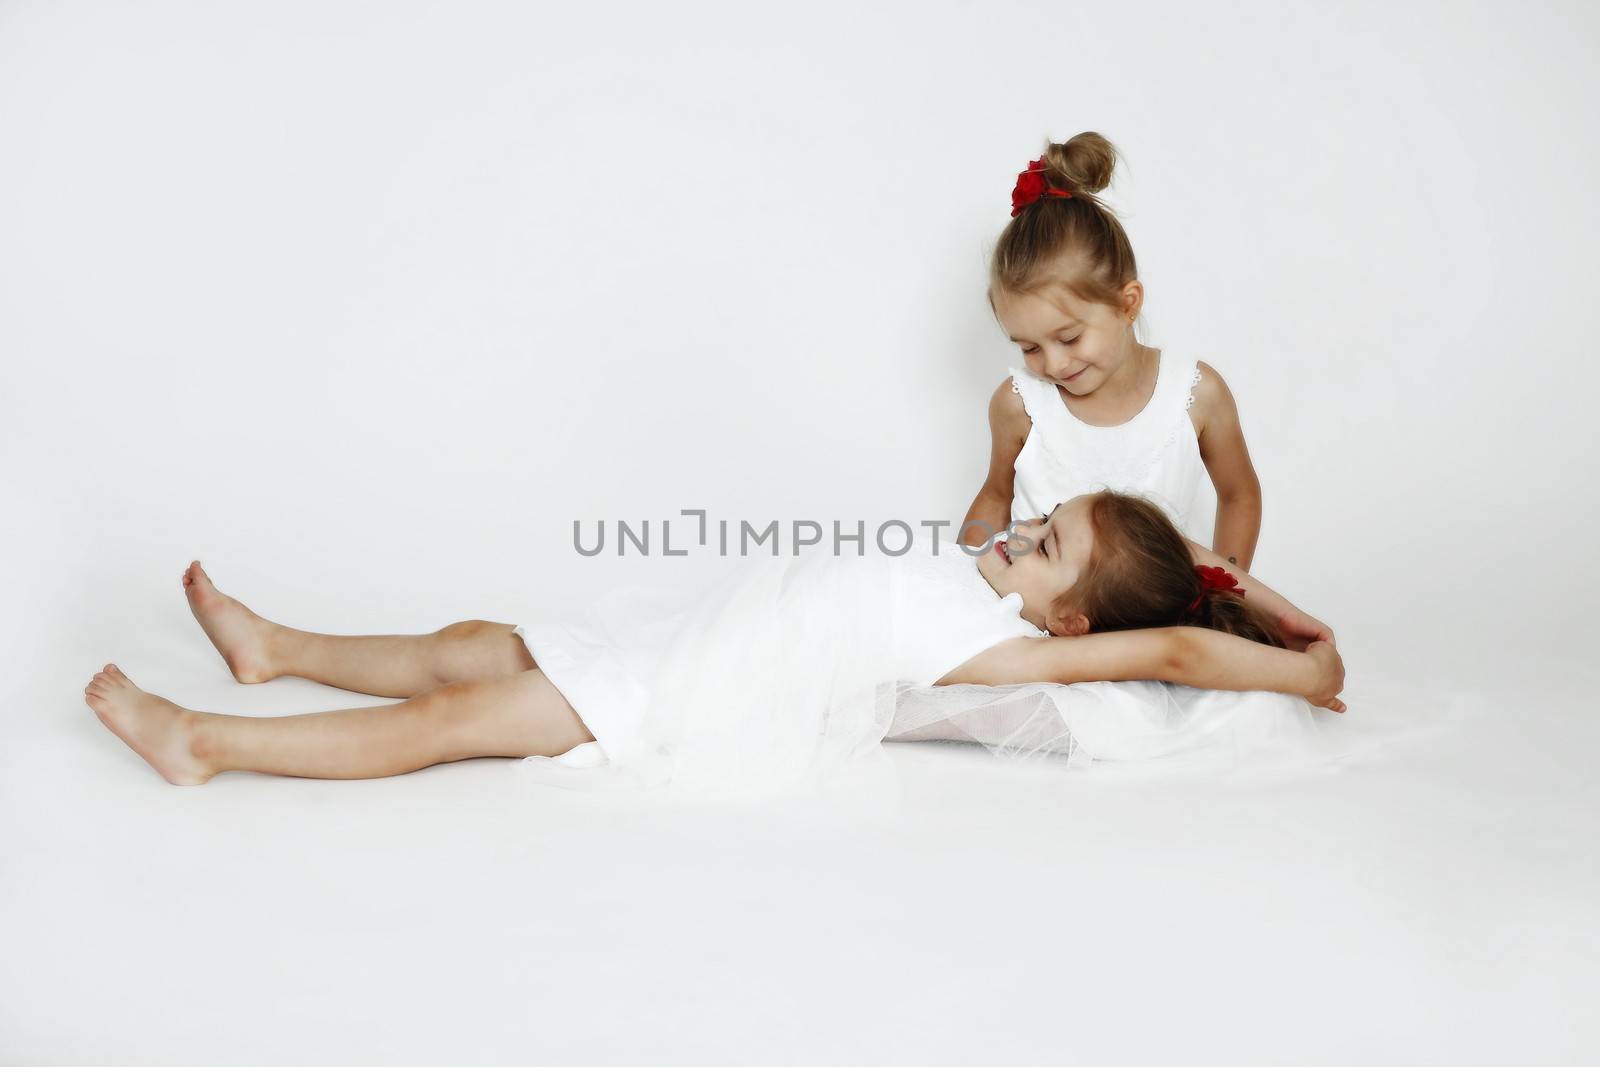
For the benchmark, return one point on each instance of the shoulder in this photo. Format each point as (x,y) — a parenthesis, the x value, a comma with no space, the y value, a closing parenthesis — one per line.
(1213,400)
(1006,409)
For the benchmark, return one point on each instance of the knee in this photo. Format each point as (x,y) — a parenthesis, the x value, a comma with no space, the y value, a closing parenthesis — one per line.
(449,712)
(476,649)
(483,718)
(466,629)
(445,701)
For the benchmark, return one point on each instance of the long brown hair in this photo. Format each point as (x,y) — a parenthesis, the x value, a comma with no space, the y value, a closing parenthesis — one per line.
(1140,574)
(1073,242)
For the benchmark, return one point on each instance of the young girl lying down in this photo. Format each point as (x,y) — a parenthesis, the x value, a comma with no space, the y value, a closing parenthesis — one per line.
(792,665)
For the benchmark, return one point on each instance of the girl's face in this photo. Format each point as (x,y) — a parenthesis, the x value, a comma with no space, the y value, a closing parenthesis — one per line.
(1042,561)
(1065,340)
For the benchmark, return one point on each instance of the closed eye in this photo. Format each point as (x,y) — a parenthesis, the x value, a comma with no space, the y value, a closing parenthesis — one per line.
(1031,351)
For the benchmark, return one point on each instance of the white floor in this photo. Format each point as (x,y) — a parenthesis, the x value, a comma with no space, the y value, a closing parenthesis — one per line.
(1430,899)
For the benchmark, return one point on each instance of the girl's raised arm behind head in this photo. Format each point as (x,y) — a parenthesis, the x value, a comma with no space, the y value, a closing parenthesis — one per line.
(1190,655)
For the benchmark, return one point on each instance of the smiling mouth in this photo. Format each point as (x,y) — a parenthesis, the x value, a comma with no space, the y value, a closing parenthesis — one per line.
(1075,373)
(1000,547)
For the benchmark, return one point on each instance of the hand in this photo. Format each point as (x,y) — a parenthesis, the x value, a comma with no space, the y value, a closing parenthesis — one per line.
(1330,676)
(1299,629)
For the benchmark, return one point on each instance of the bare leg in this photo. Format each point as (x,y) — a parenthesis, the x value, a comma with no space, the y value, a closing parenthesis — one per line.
(521,715)
(388,665)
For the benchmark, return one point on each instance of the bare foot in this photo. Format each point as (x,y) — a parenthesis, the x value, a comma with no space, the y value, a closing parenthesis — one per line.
(157,729)
(239,633)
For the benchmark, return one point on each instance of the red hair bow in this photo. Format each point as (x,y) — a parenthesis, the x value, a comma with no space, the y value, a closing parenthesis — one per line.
(1214,579)
(1031,186)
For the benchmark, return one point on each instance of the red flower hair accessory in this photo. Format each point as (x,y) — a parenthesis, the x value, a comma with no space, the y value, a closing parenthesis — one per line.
(1031,186)
(1214,579)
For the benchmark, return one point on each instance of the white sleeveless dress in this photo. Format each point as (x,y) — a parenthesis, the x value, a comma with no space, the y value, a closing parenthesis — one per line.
(784,674)
(1156,454)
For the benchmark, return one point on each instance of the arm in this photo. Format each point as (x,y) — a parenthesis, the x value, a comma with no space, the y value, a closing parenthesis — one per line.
(1008,430)
(1190,655)
(1227,460)
(1297,628)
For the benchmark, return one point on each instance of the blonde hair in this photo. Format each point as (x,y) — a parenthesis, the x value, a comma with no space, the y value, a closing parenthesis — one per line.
(1075,243)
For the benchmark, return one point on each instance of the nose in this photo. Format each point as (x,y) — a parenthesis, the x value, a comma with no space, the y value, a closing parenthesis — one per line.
(1056,363)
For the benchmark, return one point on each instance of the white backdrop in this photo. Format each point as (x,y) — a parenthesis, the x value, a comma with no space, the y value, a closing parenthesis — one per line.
(364,303)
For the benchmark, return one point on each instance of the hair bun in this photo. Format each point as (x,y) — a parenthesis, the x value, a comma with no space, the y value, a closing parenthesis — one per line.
(1082,164)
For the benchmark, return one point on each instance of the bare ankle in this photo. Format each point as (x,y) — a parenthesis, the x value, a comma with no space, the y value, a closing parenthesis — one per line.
(277,654)
(205,743)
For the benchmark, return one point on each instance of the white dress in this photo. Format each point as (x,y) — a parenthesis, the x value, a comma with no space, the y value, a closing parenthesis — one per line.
(782,675)
(1155,454)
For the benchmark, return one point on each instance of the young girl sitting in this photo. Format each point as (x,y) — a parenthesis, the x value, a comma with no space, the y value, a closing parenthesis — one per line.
(1093,408)
(790,669)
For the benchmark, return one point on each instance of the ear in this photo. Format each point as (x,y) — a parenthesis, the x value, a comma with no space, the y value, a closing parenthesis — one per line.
(1132,298)
(1064,624)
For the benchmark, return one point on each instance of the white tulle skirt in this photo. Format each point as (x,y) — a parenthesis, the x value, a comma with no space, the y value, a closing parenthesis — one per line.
(788,674)
(777,679)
